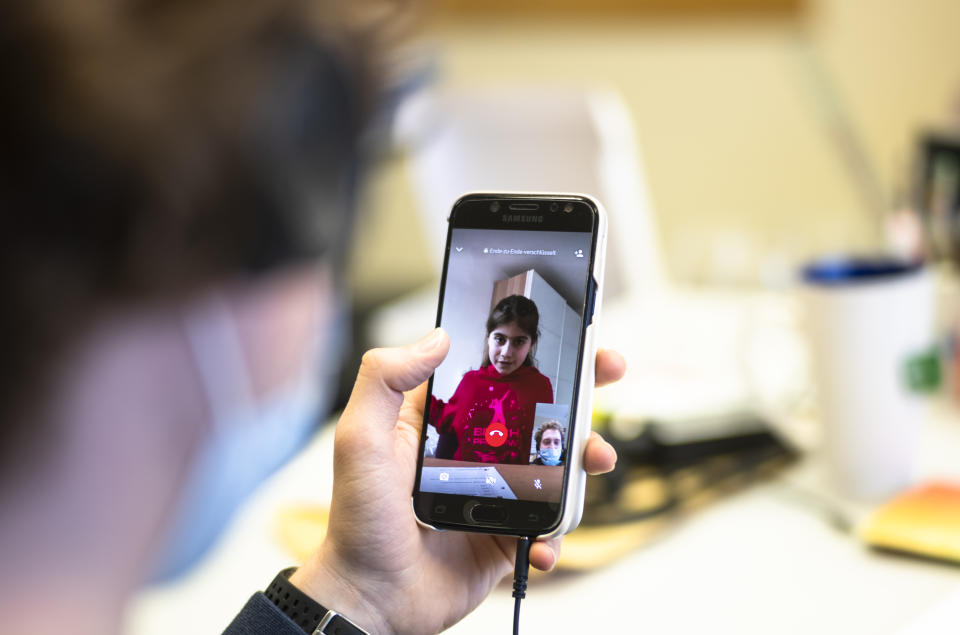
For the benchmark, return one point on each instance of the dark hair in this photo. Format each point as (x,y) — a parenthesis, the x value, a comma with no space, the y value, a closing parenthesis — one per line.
(548,425)
(519,310)
(148,149)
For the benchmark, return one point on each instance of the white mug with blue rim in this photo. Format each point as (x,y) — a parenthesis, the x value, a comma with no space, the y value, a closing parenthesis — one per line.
(870,323)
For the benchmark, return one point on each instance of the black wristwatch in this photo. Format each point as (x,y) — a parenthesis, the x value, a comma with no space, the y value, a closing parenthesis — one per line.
(309,614)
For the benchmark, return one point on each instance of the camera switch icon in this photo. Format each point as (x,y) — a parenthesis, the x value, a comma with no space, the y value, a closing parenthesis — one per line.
(444,476)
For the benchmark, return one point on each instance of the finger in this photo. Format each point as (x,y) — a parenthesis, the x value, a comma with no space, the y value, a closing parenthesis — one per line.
(544,554)
(411,412)
(610,367)
(385,373)
(599,457)
(416,396)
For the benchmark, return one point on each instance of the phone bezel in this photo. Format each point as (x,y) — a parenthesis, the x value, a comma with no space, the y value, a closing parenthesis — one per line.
(473,211)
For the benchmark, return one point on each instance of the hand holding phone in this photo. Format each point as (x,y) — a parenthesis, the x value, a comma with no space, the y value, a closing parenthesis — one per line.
(375,556)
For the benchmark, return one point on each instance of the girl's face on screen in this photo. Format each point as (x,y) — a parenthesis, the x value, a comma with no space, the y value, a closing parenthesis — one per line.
(508,346)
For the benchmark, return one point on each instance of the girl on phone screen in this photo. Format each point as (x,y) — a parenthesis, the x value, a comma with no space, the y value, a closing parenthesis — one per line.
(489,418)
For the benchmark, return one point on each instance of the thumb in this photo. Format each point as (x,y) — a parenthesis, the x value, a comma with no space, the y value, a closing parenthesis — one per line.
(386,373)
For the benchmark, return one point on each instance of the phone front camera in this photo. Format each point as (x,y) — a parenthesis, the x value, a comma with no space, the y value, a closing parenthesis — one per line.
(554,207)
(568,208)
(494,207)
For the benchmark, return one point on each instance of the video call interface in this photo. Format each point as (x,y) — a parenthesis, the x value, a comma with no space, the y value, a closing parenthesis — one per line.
(499,412)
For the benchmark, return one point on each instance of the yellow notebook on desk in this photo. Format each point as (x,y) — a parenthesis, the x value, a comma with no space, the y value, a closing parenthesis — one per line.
(923,521)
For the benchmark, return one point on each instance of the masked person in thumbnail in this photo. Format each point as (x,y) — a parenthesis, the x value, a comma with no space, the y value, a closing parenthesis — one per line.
(549,439)
(491,412)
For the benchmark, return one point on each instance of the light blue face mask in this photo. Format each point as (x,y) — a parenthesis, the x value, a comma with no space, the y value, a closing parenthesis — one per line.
(549,456)
(249,438)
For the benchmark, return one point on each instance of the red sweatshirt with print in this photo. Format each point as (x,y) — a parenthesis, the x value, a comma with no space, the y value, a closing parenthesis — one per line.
(492,414)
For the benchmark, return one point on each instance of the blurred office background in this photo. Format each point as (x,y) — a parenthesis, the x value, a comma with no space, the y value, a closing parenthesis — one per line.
(732,141)
(770,130)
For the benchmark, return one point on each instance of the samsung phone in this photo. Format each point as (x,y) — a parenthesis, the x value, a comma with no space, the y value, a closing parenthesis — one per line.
(507,413)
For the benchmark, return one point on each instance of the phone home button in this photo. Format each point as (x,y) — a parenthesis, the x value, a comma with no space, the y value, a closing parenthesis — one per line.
(487,514)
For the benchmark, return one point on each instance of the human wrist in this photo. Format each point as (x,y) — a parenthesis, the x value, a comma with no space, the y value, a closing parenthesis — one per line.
(327,582)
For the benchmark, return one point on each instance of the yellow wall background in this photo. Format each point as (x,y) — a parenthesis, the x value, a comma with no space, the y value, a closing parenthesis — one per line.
(767,138)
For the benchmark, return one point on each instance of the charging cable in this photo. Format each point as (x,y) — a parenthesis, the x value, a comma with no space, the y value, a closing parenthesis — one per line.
(520,572)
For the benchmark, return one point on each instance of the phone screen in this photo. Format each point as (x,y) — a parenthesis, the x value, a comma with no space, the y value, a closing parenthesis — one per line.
(498,421)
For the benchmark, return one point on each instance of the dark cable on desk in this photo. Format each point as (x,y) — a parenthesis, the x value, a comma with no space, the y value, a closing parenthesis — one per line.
(520,572)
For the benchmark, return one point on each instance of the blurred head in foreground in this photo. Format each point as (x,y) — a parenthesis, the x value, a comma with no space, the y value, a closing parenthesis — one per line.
(176,187)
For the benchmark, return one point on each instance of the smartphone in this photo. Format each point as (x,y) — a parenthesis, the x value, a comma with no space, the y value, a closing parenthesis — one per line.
(508,412)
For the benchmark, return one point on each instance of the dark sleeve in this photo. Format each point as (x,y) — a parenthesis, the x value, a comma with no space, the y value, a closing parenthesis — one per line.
(260,617)
(442,414)
(436,411)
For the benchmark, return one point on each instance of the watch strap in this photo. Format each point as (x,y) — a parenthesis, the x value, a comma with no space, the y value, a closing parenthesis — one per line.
(307,613)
